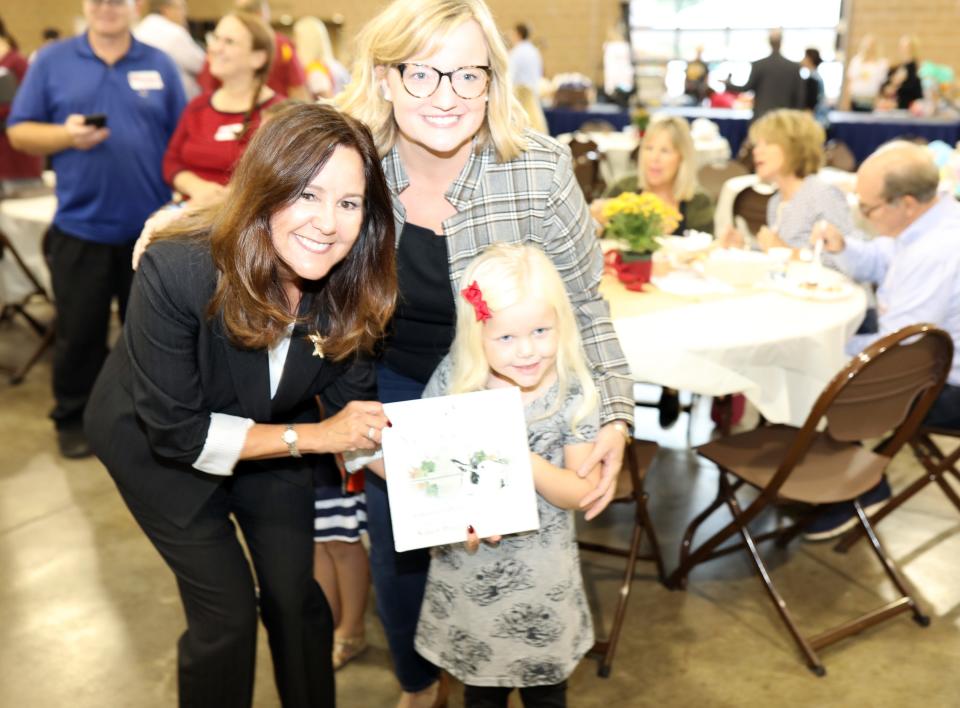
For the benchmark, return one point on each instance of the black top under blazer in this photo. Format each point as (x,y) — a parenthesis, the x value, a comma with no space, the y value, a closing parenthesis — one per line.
(149,413)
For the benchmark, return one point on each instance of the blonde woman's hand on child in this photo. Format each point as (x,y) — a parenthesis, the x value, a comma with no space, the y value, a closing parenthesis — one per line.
(563,486)
(605,455)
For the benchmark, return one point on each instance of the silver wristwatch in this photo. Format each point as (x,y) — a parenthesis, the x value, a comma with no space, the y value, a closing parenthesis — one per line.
(290,437)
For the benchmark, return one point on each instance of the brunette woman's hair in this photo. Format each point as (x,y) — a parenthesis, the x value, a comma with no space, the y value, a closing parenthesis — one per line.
(354,301)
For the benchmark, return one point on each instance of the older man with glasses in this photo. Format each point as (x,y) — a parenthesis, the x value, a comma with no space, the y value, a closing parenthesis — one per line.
(103,105)
(916,262)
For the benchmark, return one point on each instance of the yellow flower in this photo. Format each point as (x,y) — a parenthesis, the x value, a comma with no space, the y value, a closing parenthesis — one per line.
(637,218)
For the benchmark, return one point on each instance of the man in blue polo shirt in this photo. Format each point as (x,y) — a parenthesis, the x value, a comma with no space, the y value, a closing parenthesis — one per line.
(108,182)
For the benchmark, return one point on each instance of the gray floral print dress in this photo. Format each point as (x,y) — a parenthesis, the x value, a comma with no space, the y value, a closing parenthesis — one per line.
(515,614)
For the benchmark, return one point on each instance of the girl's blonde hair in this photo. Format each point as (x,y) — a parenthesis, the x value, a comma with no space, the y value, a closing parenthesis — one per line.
(676,128)
(410,27)
(507,275)
(799,136)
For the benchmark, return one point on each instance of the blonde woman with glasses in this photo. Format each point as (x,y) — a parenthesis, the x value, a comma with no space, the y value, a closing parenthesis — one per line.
(430,79)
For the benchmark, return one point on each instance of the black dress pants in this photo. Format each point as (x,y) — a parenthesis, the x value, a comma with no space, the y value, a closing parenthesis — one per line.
(216,653)
(945,411)
(86,276)
(552,696)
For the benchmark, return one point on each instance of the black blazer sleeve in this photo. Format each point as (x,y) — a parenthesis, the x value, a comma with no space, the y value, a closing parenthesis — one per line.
(163,323)
(357,383)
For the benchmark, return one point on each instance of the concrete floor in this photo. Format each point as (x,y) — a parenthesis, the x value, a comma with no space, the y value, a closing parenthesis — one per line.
(89,615)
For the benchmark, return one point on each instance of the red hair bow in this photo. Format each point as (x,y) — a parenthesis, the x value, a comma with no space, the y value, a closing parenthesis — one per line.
(475,298)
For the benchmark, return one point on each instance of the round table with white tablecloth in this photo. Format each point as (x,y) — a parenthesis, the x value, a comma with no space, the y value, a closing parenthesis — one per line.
(778,350)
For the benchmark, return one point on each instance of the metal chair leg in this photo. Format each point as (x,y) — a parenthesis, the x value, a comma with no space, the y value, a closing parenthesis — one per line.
(936,465)
(813,661)
(678,579)
(892,573)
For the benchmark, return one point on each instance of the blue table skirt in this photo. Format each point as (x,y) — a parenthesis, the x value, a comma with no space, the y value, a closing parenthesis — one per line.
(862,132)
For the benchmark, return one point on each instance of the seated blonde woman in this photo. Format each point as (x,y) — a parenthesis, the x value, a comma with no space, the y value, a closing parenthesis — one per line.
(667,167)
(787,152)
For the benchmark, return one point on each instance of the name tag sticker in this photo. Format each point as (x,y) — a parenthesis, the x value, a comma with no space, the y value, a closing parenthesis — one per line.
(226,133)
(149,80)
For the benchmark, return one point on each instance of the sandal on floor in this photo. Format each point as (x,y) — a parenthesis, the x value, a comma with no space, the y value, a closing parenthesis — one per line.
(347,648)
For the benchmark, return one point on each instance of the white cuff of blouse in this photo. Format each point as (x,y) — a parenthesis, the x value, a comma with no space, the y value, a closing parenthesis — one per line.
(225,439)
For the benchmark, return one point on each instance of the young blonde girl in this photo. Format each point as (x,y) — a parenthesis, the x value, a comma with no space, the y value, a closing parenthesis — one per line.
(514,613)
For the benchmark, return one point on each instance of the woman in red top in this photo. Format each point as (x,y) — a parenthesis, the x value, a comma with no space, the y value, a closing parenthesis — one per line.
(215,127)
(13,165)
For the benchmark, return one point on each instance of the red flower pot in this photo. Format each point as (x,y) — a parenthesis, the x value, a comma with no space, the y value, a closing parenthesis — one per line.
(632,269)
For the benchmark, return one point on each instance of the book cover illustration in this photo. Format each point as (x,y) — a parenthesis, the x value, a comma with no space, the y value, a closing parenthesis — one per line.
(455,461)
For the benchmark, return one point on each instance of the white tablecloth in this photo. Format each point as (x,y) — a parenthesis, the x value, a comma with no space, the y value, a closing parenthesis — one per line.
(24,221)
(778,350)
(618,146)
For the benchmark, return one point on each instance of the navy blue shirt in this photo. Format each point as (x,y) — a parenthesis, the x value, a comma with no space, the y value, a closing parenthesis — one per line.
(106,193)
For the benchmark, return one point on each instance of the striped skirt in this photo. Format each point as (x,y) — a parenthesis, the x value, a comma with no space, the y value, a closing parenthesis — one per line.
(338,515)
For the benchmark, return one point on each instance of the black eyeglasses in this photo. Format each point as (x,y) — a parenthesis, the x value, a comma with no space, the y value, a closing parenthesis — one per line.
(421,81)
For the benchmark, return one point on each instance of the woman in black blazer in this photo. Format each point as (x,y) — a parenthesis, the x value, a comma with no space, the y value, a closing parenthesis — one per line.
(243,321)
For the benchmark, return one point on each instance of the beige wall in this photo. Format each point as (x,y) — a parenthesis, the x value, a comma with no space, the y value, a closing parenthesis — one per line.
(569,32)
(934,22)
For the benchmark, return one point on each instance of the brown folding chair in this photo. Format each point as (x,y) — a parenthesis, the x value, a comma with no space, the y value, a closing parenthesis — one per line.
(571,99)
(889,386)
(938,467)
(597,126)
(586,166)
(752,206)
(639,456)
(838,154)
(712,177)
(580,146)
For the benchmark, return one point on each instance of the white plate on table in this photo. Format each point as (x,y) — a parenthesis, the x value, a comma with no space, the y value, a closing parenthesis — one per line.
(824,291)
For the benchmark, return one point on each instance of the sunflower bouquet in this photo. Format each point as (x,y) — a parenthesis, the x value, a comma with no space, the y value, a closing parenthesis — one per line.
(635,219)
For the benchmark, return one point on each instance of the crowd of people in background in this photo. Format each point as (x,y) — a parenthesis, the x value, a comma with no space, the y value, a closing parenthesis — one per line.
(313,252)
(870,82)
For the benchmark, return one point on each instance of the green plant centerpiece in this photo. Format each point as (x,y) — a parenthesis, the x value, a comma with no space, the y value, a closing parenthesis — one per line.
(635,220)
(640,118)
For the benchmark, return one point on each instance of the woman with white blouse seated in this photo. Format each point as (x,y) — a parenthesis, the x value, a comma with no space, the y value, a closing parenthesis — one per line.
(787,152)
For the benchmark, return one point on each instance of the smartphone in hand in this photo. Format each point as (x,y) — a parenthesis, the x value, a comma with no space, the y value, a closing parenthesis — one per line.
(97,120)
